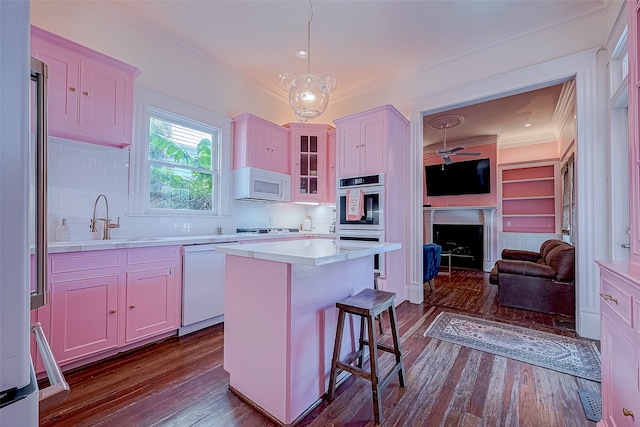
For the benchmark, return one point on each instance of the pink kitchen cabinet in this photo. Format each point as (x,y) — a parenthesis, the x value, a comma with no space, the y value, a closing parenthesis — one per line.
(90,95)
(620,341)
(152,292)
(84,314)
(364,141)
(309,174)
(105,300)
(260,144)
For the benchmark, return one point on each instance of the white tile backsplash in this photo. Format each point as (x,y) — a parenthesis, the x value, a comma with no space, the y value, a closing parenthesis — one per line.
(79,172)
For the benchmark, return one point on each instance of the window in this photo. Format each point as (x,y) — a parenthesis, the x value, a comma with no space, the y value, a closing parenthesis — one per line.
(182,158)
(180,161)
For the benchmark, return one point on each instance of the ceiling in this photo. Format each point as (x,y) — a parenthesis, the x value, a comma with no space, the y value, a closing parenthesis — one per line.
(505,119)
(364,43)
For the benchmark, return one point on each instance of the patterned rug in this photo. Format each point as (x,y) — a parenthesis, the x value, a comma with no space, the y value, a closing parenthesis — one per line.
(568,355)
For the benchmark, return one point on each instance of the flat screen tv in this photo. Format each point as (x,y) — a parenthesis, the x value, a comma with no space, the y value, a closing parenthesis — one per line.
(469,177)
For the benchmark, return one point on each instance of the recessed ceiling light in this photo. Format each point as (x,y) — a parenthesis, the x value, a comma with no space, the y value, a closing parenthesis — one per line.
(528,125)
(302,53)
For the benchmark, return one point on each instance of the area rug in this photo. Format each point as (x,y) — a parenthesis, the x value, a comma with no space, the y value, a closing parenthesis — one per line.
(568,355)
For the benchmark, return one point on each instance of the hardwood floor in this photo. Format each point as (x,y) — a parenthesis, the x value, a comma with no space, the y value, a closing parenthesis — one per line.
(181,381)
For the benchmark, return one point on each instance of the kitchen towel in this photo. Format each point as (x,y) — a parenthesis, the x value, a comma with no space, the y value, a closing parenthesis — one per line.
(355,204)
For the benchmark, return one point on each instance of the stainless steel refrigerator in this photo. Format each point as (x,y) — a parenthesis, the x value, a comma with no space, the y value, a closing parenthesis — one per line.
(22,168)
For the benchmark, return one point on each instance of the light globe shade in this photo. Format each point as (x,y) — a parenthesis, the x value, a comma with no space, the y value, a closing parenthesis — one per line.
(307,98)
(284,79)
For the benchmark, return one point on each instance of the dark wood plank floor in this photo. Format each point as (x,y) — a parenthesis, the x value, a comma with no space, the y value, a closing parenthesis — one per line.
(181,381)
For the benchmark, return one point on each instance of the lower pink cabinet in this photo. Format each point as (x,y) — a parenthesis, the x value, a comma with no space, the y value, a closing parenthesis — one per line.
(150,307)
(104,300)
(620,344)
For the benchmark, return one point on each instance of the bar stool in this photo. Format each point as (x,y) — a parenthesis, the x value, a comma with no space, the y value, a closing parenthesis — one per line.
(367,304)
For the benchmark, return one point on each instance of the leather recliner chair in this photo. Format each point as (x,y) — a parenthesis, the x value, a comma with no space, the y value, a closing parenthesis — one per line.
(538,281)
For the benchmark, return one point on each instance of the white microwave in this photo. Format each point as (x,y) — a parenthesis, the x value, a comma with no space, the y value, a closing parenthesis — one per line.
(260,184)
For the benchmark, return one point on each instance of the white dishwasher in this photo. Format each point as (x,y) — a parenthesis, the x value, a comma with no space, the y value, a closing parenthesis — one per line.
(202,287)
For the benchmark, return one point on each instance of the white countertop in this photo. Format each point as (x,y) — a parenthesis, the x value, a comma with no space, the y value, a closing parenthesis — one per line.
(139,242)
(311,252)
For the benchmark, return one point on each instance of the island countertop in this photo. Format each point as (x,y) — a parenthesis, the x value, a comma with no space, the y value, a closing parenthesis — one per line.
(312,252)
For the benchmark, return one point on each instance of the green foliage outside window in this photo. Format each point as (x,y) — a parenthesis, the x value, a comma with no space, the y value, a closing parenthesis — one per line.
(181,175)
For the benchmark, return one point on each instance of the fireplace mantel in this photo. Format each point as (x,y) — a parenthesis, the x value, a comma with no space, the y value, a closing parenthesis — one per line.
(483,215)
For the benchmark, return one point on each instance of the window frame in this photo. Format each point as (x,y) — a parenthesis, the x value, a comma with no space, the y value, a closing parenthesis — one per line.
(148,104)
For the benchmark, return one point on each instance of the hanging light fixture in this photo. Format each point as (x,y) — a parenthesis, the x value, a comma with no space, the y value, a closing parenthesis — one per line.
(308,94)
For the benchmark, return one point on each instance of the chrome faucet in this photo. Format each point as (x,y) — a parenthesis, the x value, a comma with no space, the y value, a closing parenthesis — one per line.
(106,232)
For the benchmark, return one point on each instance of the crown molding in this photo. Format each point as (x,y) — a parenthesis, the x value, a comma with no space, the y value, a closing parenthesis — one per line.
(538,138)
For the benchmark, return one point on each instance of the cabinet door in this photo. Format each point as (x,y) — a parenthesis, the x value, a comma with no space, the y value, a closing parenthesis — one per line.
(84,316)
(308,152)
(150,303)
(279,154)
(258,145)
(371,145)
(63,84)
(330,193)
(348,142)
(619,372)
(103,100)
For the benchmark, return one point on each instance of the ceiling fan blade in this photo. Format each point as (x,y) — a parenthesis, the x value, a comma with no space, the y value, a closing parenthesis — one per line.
(447,159)
(449,151)
(466,153)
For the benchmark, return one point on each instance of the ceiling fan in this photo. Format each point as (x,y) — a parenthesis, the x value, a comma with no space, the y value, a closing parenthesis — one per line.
(444,123)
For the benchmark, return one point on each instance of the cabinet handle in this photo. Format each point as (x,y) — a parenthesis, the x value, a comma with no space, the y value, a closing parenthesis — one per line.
(132,306)
(608,297)
(85,93)
(72,89)
(627,413)
(112,311)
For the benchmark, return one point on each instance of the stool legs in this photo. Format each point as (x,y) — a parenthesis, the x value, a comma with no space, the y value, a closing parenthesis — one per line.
(336,355)
(373,362)
(367,320)
(396,345)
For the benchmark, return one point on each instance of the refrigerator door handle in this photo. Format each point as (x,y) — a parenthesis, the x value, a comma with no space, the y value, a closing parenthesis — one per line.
(39,73)
(58,389)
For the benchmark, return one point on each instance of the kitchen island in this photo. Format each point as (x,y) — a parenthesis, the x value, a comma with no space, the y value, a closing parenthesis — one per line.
(280,318)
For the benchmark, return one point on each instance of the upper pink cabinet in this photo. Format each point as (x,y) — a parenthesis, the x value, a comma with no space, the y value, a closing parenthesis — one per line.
(309,156)
(363,140)
(90,95)
(260,144)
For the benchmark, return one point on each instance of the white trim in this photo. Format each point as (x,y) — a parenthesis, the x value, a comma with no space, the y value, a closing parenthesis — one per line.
(147,100)
(590,162)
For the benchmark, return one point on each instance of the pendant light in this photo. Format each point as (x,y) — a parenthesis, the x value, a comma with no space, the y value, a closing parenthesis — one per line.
(308,94)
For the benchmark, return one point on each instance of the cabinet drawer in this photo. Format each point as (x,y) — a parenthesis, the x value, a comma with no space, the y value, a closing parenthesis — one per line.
(615,297)
(85,261)
(149,255)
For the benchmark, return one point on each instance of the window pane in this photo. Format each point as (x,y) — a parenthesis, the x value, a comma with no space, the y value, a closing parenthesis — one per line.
(173,143)
(179,188)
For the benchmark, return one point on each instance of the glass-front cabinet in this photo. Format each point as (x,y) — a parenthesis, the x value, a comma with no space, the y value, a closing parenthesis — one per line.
(308,161)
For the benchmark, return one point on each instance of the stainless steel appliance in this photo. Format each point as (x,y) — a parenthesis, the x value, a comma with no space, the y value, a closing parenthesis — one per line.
(202,287)
(372,187)
(19,394)
(366,236)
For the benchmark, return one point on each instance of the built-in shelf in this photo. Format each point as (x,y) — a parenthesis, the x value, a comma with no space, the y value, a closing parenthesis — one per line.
(528,198)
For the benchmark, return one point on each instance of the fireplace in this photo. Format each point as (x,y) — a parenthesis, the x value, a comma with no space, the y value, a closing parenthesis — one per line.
(463,242)
(457,216)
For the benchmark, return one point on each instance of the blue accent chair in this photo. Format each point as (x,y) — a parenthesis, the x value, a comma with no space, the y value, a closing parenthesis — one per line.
(431,254)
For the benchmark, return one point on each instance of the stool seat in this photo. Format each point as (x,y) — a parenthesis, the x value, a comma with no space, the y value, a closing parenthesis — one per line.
(369,301)
(368,304)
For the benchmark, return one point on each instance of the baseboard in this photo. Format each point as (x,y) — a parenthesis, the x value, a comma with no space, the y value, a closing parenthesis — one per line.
(588,324)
